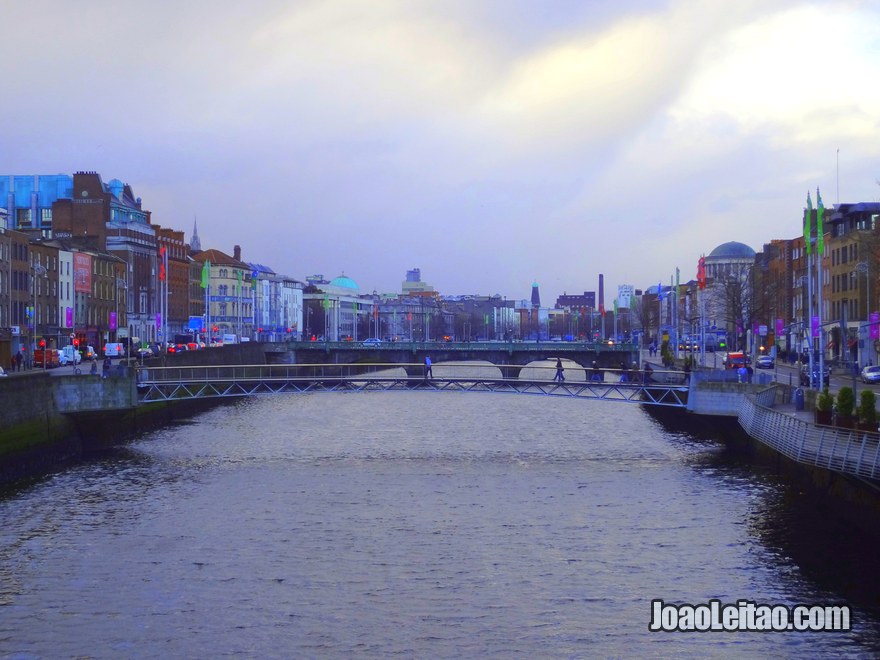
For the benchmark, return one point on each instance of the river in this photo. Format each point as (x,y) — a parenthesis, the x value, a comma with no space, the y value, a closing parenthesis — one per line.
(417,524)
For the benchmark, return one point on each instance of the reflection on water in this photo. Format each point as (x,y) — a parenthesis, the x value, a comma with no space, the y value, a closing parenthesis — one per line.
(413,523)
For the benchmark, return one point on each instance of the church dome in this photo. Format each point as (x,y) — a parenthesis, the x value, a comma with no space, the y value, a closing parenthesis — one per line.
(343,282)
(732,250)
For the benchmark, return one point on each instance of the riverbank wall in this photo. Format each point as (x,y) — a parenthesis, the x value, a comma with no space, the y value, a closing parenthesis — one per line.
(48,421)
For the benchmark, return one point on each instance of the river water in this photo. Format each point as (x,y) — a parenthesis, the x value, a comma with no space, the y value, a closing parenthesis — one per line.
(416,524)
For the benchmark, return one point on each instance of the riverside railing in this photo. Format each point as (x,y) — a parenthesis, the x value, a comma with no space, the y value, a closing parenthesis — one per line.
(848,451)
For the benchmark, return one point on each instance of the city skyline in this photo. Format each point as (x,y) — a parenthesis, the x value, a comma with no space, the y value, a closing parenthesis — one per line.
(490,144)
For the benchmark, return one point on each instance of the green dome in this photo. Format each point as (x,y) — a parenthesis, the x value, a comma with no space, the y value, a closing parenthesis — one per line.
(344,282)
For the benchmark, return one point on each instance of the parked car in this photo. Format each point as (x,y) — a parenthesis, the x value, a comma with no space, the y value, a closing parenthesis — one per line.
(2,372)
(871,374)
(805,375)
(372,341)
(765,362)
(145,352)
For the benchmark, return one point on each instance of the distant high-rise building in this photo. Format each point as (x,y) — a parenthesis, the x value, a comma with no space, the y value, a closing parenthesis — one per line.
(575,301)
(601,293)
(413,284)
(536,295)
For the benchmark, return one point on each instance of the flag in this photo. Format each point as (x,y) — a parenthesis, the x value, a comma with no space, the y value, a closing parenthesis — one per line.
(615,306)
(677,276)
(206,274)
(326,301)
(808,221)
(254,276)
(701,272)
(659,291)
(163,261)
(820,232)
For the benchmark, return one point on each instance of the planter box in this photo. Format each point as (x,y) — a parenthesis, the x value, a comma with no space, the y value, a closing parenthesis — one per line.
(846,422)
(862,426)
(823,417)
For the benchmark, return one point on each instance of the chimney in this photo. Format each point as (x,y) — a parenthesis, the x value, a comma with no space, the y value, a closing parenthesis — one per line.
(236,253)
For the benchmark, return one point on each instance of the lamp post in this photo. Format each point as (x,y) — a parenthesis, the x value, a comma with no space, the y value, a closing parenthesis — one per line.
(863,267)
(120,283)
(37,270)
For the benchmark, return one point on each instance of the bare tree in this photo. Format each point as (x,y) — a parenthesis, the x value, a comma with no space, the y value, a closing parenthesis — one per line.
(731,302)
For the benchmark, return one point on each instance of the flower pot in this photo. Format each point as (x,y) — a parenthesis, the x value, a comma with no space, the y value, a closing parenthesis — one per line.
(846,422)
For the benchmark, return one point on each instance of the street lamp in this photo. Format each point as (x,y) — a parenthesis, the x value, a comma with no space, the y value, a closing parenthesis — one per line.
(863,267)
(120,283)
(38,270)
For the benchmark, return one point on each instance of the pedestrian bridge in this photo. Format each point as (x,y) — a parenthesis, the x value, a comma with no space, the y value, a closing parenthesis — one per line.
(661,388)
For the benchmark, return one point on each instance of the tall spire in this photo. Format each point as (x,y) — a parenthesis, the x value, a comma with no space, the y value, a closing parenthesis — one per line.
(195,245)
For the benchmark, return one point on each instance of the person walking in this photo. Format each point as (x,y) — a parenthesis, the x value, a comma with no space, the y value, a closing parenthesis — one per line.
(560,371)
(18,358)
(94,369)
(428,372)
(105,368)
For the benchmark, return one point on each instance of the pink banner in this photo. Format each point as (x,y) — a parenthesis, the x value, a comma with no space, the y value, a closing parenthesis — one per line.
(68,317)
(815,326)
(82,272)
(780,327)
(874,318)
(112,320)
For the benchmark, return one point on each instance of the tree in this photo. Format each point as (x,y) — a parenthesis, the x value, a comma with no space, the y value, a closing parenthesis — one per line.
(731,301)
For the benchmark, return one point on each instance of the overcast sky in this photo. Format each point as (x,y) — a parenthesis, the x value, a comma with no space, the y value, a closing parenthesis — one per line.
(490,143)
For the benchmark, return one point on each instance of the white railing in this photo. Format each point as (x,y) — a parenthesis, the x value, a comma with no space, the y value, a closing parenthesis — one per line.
(848,451)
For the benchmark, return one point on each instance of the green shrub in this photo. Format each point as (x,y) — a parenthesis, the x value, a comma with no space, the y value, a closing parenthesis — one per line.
(867,408)
(846,401)
(824,401)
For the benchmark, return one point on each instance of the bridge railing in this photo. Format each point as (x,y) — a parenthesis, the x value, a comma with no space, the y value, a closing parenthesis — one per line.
(412,370)
(562,346)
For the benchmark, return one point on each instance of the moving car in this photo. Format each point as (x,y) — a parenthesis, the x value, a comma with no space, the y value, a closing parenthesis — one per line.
(372,341)
(871,374)
(805,375)
(765,362)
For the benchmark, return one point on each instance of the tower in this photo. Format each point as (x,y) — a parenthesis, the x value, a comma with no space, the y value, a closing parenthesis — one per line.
(536,295)
(195,245)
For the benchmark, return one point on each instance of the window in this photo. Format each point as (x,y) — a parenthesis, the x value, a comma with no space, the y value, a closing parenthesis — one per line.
(45,217)
(24,218)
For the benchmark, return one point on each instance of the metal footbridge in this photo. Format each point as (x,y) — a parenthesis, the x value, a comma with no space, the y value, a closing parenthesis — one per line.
(660,388)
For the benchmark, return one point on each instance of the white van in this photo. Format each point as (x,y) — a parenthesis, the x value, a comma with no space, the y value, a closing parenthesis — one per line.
(114,350)
(69,355)
(230,339)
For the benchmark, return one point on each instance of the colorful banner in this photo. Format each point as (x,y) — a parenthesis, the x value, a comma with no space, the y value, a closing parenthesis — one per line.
(874,318)
(82,272)
(112,322)
(68,317)
(780,327)
(815,326)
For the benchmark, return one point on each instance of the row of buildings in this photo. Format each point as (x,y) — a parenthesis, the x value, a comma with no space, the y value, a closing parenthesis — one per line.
(81,260)
(795,295)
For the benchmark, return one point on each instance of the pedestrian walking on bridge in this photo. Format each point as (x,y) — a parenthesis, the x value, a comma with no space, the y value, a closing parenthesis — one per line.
(560,371)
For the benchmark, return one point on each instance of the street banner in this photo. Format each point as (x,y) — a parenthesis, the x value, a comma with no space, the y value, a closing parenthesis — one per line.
(815,326)
(874,318)
(780,327)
